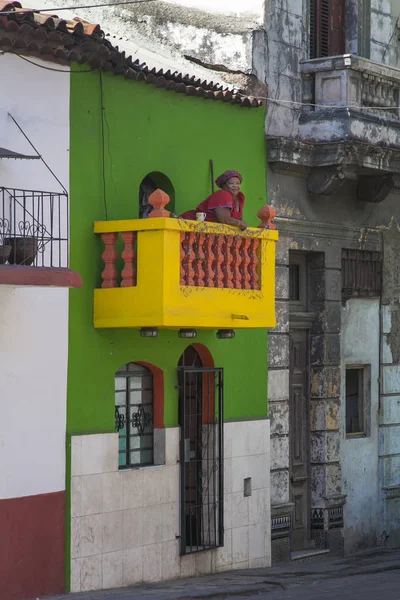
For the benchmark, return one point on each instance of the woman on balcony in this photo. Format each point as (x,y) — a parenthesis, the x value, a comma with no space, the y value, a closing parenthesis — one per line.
(224,206)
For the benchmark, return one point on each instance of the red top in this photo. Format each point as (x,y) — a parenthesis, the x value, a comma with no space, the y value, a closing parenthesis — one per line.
(220,199)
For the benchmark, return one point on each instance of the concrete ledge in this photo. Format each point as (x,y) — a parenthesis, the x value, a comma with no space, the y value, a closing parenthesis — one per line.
(39,276)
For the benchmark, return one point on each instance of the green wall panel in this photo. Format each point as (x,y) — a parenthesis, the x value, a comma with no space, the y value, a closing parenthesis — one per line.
(146,129)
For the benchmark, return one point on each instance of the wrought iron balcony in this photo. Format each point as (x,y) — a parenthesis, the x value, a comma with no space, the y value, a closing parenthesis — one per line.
(34,238)
(181,274)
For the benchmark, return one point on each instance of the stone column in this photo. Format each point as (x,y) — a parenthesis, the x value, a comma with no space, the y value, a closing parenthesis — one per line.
(278,402)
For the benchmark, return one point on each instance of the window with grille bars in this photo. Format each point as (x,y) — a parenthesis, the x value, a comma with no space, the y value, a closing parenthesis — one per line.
(134,415)
(326,28)
(361,273)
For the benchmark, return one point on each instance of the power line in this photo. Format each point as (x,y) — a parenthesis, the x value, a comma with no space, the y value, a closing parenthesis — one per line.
(311,104)
(73,8)
(51,68)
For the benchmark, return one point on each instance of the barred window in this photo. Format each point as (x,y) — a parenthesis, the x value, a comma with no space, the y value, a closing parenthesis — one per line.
(361,274)
(134,415)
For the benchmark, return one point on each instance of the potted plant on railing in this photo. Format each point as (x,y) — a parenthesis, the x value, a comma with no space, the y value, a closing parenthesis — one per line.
(5,248)
(24,247)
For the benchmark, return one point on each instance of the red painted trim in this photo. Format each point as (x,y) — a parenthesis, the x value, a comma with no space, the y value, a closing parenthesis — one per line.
(158,392)
(205,355)
(41,276)
(32,535)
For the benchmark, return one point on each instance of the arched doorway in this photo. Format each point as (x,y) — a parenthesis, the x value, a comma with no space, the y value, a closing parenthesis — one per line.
(201,450)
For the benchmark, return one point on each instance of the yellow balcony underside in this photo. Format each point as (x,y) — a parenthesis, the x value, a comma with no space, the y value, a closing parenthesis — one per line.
(159,300)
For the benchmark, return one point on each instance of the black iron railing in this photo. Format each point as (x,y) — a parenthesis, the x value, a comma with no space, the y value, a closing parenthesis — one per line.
(201,459)
(33,228)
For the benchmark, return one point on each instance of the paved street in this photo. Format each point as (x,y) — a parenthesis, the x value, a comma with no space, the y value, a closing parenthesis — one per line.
(369,576)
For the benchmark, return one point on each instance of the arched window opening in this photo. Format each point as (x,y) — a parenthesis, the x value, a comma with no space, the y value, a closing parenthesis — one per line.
(201,459)
(153,181)
(134,415)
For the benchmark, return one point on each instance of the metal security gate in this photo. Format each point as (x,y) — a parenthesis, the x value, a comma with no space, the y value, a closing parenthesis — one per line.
(201,458)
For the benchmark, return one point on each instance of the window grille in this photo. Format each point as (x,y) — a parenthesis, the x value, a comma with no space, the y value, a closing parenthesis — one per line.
(134,412)
(361,273)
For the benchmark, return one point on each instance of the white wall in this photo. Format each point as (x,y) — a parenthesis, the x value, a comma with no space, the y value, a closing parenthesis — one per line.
(254,7)
(33,321)
(360,345)
(126,524)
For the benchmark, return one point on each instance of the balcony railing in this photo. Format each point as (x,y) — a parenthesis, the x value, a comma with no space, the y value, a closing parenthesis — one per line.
(353,82)
(178,273)
(33,228)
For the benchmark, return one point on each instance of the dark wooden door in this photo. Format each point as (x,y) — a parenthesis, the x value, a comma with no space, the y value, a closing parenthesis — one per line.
(299,439)
(327,28)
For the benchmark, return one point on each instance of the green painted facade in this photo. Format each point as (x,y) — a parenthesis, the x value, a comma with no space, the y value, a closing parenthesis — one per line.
(146,129)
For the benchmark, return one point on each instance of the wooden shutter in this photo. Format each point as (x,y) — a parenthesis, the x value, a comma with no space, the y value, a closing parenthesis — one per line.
(326,28)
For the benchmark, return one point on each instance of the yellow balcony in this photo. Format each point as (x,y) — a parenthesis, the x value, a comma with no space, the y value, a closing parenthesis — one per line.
(186,274)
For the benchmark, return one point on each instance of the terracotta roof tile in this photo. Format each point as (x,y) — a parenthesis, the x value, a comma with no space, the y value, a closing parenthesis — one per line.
(28,31)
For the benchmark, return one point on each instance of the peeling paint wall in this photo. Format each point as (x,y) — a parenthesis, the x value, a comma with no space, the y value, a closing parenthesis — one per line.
(389,433)
(360,346)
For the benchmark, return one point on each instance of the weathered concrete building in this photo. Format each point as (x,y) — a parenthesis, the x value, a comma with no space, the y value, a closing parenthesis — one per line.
(328,68)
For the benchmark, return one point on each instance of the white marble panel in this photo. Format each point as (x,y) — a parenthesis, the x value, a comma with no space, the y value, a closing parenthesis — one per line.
(112,491)
(132,524)
(170,563)
(257,540)
(76,455)
(223,556)
(228,475)
(110,443)
(153,485)
(188,566)
(76,496)
(112,531)
(91,573)
(75,575)
(112,570)
(227,511)
(240,544)
(132,566)
(92,494)
(76,537)
(259,507)
(92,454)
(241,469)
(152,524)
(91,536)
(258,431)
(170,484)
(172,445)
(132,488)
(170,521)
(152,562)
(240,510)
(203,561)
(240,565)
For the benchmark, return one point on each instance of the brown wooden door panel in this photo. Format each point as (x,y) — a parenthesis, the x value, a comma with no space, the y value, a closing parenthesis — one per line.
(299,439)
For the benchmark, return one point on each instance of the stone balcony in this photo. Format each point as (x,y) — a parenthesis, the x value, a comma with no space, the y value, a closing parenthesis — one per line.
(179,274)
(349,127)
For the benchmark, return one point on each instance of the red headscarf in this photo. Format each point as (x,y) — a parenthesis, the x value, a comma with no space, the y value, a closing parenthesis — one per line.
(226,176)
